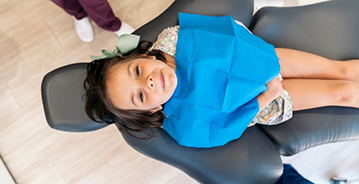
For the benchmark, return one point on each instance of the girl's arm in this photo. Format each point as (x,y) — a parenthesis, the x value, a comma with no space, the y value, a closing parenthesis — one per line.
(274,89)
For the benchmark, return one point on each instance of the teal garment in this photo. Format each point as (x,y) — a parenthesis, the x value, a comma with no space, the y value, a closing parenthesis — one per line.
(221,68)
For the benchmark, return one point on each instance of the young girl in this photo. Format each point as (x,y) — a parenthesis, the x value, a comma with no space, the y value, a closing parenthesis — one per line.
(212,78)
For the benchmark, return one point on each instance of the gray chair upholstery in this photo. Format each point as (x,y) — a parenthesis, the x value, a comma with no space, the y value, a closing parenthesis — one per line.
(239,9)
(62,91)
(329,29)
(232,163)
(255,156)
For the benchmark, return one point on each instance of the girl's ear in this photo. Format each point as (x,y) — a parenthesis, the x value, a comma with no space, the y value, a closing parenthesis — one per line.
(153,110)
(150,57)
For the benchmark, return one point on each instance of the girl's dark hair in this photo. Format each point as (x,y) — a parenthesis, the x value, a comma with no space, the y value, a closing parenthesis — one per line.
(98,105)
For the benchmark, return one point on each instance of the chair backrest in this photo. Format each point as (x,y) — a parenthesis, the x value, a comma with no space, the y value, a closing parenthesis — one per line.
(240,161)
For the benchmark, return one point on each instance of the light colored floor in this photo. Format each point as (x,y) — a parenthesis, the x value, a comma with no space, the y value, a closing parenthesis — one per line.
(36,37)
(5,176)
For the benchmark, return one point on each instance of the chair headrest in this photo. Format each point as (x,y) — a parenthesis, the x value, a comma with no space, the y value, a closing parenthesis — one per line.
(62,91)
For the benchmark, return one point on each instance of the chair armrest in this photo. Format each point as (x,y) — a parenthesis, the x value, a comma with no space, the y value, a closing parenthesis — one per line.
(314,127)
(250,159)
(329,29)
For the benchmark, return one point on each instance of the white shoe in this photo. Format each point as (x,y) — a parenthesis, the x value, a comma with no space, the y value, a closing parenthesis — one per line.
(84,29)
(124,29)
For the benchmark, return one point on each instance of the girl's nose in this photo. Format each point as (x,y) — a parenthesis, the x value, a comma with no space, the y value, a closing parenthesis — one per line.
(150,82)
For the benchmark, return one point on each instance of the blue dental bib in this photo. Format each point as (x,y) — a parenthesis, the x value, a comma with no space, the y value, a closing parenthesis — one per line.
(221,68)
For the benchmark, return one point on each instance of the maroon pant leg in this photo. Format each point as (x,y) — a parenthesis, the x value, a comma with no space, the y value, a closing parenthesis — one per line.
(101,13)
(72,7)
(98,10)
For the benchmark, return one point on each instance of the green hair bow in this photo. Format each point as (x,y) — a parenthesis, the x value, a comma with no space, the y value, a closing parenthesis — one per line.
(125,44)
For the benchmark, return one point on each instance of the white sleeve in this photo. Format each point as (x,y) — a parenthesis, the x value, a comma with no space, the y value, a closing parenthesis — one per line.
(241,24)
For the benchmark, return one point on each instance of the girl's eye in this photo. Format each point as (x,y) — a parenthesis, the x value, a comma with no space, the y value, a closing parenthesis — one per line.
(137,71)
(141,96)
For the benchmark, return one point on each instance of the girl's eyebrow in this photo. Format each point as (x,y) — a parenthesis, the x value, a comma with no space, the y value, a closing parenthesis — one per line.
(128,70)
(133,99)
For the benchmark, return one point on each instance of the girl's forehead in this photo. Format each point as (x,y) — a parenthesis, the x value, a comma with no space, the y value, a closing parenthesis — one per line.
(140,59)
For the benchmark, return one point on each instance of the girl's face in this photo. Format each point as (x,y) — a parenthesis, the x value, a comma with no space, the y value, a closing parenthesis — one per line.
(141,84)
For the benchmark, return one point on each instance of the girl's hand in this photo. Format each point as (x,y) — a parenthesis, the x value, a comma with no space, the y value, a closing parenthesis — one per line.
(274,88)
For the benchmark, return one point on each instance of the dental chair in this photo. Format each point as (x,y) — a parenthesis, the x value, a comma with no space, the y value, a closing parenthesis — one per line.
(329,29)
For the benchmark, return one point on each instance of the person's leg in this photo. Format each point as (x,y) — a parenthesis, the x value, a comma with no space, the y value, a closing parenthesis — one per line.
(72,7)
(312,93)
(299,64)
(291,176)
(101,13)
(83,26)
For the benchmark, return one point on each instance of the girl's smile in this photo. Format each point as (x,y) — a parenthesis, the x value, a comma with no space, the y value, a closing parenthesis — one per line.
(141,84)
(162,82)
